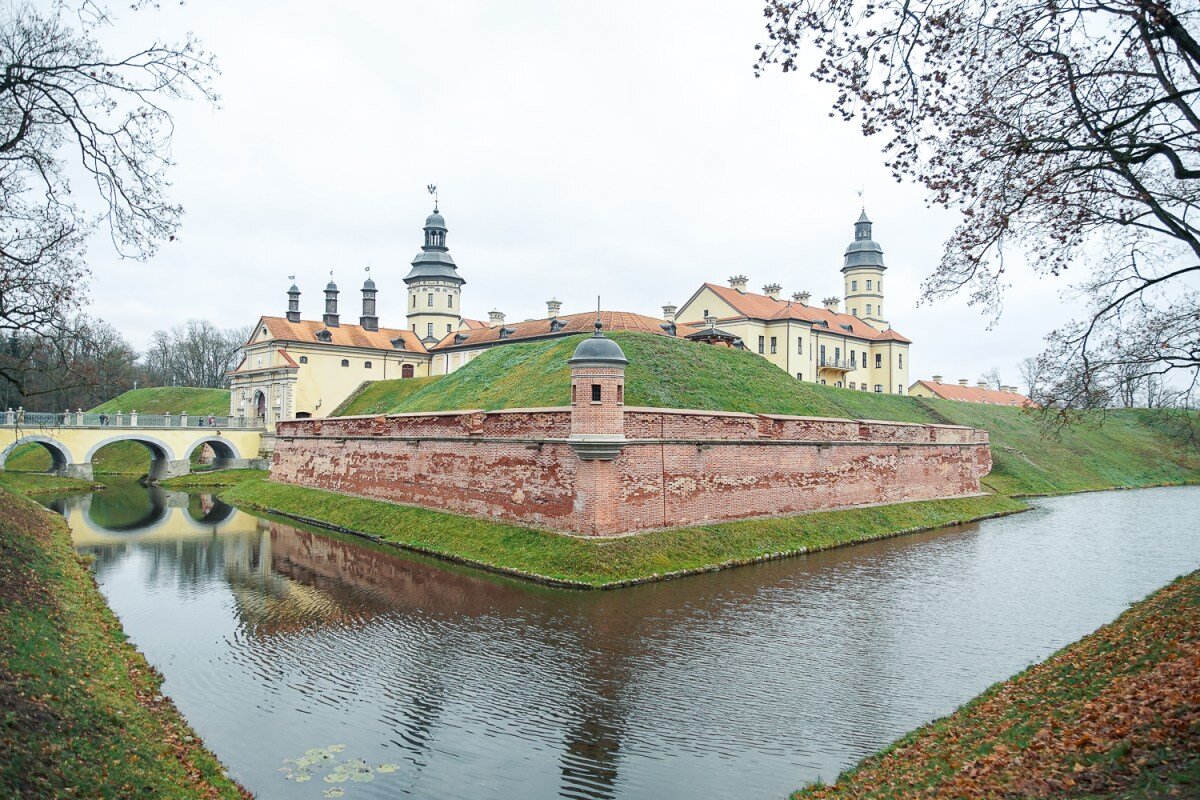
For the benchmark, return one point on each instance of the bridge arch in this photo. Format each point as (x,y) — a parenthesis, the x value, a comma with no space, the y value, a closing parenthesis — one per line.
(225,452)
(162,457)
(60,456)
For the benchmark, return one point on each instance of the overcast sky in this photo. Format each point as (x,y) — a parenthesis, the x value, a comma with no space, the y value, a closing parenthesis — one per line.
(618,148)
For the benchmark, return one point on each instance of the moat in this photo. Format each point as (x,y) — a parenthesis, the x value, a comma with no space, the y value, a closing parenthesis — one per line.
(277,641)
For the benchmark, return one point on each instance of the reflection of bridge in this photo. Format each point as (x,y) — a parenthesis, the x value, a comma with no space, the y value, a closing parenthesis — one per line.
(166,517)
(73,439)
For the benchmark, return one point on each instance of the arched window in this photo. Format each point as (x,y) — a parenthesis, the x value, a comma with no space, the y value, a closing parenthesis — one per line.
(303,359)
(345,362)
(367,364)
(406,371)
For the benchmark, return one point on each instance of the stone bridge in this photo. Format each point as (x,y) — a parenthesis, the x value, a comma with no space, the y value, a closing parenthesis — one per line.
(72,439)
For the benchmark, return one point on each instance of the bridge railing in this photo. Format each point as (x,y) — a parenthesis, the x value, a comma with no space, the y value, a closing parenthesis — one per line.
(131,419)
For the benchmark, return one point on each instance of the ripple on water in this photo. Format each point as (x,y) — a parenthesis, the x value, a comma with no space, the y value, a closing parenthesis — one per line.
(744,683)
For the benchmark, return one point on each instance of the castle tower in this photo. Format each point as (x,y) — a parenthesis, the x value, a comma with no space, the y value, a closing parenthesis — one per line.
(369,319)
(598,397)
(863,274)
(293,312)
(331,313)
(434,285)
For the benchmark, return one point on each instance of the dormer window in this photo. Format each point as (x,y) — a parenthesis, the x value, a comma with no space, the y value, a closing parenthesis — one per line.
(507,332)
(398,343)
(557,325)
(324,335)
(459,338)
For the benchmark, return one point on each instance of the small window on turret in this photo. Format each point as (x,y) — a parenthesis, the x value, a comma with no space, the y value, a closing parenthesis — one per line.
(620,393)
(868,286)
(854,286)
(595,393)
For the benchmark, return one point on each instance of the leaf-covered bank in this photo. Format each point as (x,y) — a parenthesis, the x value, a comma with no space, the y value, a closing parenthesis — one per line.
(1115,715)
(82,712)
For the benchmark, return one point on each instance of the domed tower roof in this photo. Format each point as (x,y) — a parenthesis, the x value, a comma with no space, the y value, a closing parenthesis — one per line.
(599,350)
(434,260)
(332,287)
(369,285)
(863,251)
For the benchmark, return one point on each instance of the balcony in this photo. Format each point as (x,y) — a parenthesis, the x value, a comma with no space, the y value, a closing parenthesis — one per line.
(837,365)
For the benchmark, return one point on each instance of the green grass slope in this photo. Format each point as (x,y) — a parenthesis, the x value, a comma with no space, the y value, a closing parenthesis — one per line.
(1128,449)
(130,458)
(378,397)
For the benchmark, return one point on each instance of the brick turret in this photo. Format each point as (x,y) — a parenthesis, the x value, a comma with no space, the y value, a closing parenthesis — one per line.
(598,397)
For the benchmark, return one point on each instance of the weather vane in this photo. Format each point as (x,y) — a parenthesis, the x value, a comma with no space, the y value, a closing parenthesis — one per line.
(861,190)
(433,191)
(368,269)
(291,277)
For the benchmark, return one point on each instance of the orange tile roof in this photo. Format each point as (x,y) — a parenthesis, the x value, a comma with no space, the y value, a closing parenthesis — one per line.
(760,306)
(290,361)
(474,324)
(572,323)
(345,335)
(976,394)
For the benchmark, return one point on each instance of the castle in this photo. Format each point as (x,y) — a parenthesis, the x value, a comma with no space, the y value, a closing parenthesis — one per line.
(293,368)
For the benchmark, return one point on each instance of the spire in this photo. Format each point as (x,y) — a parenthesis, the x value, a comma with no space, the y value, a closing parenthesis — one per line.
(369,321)
(331,310)
(434,260)
(863,251)
(293,311)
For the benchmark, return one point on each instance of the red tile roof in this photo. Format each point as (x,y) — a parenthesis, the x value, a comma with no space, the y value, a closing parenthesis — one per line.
(345,335)
(572,323)
(290,361)
(976,394)
(760,306)
(474,324)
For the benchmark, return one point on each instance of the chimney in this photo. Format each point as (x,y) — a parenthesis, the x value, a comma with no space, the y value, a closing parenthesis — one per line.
(772,290)
(831,304)
(937,378)
(710,321)
(801,297)
(495,318)
(981,383)
(293,312)
(552,308)
(739,282)
(331,313)
(669,312)
(963,381)
(369,321)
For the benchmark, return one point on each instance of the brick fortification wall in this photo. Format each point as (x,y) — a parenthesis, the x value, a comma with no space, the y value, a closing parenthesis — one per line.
(673,468)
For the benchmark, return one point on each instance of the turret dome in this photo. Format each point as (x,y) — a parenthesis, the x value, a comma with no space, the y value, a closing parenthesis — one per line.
(600,350)
(435,220)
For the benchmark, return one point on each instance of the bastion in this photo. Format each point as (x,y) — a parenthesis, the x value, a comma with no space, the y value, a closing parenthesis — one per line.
(601,468)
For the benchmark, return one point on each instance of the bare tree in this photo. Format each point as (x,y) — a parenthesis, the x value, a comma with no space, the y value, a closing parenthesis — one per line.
(196,353)
(1031,375)
(992,378)
(85,363)
(1068,131)
(69,107)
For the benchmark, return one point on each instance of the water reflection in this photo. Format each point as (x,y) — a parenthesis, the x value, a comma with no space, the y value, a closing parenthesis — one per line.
(747,683)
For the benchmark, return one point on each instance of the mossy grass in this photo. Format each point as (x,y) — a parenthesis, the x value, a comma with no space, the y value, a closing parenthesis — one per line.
(130,458)
(1119,449)
(1113,715)
(32,483)
(82,711)
(604,563)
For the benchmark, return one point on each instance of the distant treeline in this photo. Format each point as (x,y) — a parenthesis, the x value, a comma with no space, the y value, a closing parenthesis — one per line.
(87,361)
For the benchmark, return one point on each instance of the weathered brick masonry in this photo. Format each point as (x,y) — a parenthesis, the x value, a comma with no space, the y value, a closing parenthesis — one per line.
(674,468)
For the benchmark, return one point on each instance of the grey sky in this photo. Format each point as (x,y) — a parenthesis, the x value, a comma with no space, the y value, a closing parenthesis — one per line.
(619,148)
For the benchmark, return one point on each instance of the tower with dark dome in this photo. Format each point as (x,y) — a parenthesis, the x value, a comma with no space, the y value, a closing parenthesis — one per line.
(863,274)
(434,285)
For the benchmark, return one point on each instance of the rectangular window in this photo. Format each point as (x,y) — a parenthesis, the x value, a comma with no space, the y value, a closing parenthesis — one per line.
(868,286)
(620,393)
(574,394)
(868,308)
(822,361)
(774,347)
(854,286)
(799,376)
(414,301)
(899,390)
(901,357)
(448,327)
(854,311)
(864,359)
(430,303)
(852,386)
(762,344)
(837,355)
(879,388)
(878,361)
(853,363)
(450,301)
(429,328)
(595,393)
(799,347)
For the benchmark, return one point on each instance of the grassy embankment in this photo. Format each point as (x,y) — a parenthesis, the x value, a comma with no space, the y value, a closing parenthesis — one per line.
(82,712)
(1129,450)
(1115,715)
(130,458)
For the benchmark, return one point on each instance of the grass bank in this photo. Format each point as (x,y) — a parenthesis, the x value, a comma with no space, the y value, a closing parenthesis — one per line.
(1115,715)
(130,458)
(81,708)
(1130,449)
(589,563)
